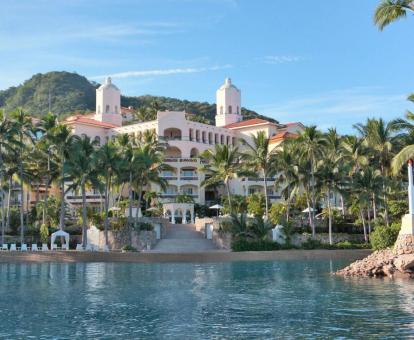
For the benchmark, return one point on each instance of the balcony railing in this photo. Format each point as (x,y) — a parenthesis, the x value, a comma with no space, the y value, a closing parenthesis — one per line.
(258,179)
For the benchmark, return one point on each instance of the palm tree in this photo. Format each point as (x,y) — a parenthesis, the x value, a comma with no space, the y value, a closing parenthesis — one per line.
(109,161)
(311,144)
(365,182)
(8,144)
(224,164)
(286,174)
(259,157)
(389,11)
(379,136)
(147,170)
(82,171)
(24,127)
(61,140)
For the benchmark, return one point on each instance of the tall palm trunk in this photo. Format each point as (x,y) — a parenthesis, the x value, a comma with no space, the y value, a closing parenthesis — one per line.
(229,196)
(130,198)
(342,205)
(374,207)
(288,205)
(265,192)
(369,219)
(106,223)
(62,198)
(329,216)
(3,214)
(21,201)
(361,212)
(84,218)
(313,199)
(8,202)
(139,204)
(310,216)
(45,201)
(384,192)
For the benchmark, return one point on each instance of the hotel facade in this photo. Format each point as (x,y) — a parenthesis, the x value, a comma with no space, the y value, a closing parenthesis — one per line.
(186,140)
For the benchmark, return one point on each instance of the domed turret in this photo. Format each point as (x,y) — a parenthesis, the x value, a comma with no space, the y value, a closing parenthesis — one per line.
(108,103)
(228,102)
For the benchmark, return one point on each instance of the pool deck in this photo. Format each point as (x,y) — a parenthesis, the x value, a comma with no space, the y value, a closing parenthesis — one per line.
(199,257)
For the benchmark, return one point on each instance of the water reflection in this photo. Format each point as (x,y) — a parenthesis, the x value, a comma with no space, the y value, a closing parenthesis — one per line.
(247,300)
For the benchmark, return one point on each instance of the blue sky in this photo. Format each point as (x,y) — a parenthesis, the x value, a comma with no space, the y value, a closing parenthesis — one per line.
(320,62)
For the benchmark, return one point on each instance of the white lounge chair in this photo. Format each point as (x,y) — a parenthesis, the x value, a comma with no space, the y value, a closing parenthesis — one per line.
(79,247)
(65,246)
(5,246)
(34,247)
(23,247)
(45,247)
(89,247)
(13,247)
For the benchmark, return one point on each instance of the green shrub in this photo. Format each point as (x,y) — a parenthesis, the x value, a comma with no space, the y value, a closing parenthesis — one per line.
(44,233)
(383,237)
(313,244)
(351,245)
(129,248)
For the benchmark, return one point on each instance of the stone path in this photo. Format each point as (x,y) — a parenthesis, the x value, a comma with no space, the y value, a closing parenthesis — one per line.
(183,238)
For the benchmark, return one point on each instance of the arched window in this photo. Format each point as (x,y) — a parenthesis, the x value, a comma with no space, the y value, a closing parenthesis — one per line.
(98,140)
(203,136)
(228,140)
(238,110)
(221,110)
(216,138)
(107,109)
(221,139)
(197,135)
(230,111)
(116,108)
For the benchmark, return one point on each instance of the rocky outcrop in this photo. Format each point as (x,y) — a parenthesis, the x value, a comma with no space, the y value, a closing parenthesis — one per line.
(398,262)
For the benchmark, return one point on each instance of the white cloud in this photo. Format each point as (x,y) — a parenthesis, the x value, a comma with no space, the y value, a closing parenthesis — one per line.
(340,108)
(280,59)
(161,72)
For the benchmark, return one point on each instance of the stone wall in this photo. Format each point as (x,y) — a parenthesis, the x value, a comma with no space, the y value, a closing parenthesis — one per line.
(222,240)
(404,244)
(140,240)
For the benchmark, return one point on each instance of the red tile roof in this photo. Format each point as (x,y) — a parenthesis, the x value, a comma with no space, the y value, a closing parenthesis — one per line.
(249,122)
(282,135)
(127,109)
(293,123)
(83,119)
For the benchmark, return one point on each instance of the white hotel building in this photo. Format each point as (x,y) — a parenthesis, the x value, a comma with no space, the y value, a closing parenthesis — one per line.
(186,140)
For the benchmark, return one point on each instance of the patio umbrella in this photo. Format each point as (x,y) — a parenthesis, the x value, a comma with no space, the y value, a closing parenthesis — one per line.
(217,207)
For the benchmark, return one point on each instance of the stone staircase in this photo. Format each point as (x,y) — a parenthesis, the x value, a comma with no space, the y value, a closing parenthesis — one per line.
(183,238)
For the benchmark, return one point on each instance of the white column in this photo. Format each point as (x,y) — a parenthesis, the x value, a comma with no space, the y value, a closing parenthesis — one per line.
(173,216)
(410,187)
(185,217)
(192,216)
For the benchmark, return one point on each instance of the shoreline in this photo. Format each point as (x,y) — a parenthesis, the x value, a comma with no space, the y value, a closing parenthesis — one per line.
(200,257)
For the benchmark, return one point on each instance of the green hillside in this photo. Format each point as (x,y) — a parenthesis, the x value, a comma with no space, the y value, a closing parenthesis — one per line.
(67,92)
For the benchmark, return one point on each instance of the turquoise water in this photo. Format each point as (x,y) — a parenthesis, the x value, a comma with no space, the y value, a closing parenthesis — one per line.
(200,301)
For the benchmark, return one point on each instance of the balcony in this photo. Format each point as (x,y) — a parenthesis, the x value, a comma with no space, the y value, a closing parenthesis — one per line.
(189,178)
(89,198)
(258,179)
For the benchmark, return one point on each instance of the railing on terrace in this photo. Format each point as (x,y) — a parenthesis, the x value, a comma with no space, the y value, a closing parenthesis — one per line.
(258,179)
(187,139)
(184,160)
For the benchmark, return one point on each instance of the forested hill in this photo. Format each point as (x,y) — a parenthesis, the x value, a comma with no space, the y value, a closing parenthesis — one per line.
(67,92)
